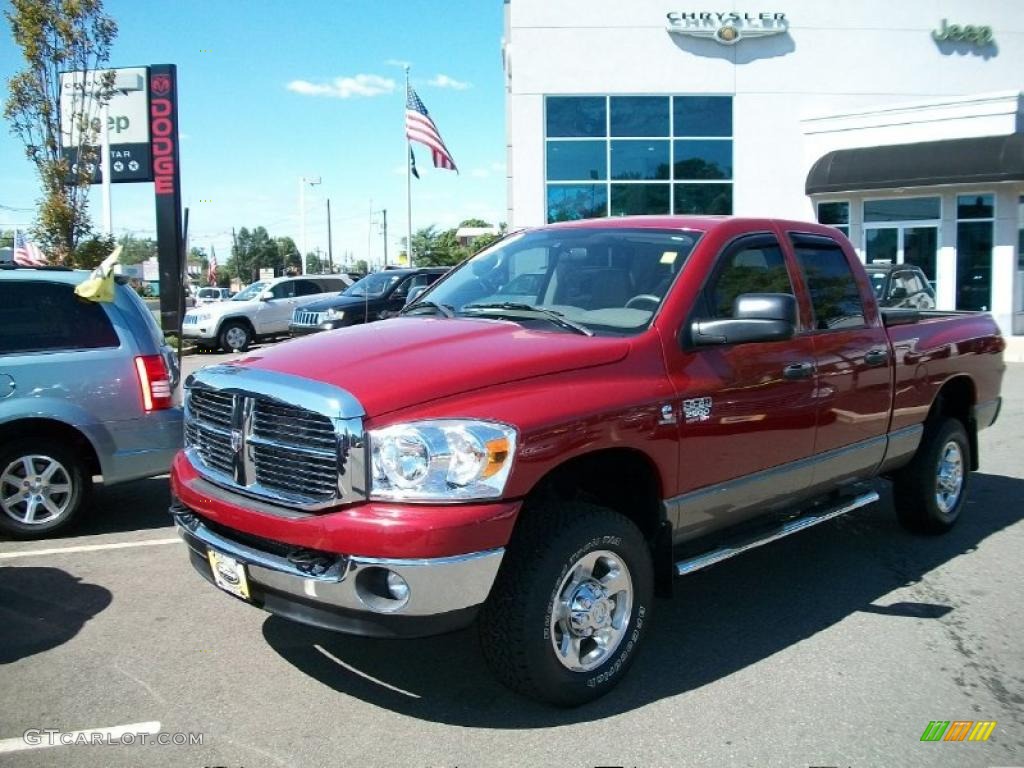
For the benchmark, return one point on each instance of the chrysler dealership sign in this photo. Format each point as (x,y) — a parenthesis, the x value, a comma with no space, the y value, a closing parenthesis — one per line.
(127,120)
(726,27)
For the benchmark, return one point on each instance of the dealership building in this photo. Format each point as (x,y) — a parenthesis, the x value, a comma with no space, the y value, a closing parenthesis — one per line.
(899,123)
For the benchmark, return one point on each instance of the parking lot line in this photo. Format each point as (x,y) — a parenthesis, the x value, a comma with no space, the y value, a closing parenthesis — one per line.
(41,739)
(89,548)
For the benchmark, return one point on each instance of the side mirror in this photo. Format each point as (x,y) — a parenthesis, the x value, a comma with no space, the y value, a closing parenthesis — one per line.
(756,317)
(266,296)
(415,293)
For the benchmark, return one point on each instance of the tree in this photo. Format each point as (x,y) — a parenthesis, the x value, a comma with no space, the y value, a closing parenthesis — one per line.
(314,264)
(289,254)
(92,251)
(59,36)
(136,250)
(475,223)
(361,266)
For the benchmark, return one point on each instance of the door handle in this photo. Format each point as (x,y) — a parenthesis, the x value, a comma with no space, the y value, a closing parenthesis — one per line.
(876,357)
(798,371)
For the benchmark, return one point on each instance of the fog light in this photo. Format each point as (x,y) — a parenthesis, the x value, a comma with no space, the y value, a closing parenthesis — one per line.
(397,587)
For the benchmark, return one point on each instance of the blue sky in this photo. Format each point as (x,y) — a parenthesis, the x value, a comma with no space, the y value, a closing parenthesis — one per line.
(312,88)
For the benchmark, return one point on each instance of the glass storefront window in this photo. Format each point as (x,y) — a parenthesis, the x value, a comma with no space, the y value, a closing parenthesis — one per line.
(574,116)
(639,160)
(577,160)
(568,202)
(974,265)
(903,209)
(702,159)
(639,199)
(975,206)
(881,245)
(835,215)
(714,199)
(702,115)
(594,141)
(638,116)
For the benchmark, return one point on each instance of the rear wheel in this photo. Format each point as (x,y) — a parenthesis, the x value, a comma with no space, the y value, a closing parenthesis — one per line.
(43,487)
(570,605)
(930,491)
(235,336)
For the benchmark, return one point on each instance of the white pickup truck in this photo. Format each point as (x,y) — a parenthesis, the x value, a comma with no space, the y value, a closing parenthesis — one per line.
(261,310)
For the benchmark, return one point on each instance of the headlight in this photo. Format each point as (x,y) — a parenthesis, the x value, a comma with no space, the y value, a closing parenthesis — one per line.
(334,314)
(445,460)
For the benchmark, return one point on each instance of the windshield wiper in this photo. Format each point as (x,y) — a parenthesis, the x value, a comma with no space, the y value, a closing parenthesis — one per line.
(513,309)
(445,309)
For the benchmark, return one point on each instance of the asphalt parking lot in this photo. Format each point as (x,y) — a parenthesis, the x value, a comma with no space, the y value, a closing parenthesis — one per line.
(835,647)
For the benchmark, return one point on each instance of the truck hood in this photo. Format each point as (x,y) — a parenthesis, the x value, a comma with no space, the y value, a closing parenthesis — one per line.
(402,362)
(220,308)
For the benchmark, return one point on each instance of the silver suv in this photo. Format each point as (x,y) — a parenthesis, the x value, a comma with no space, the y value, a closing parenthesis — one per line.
(86,389)
(261,310)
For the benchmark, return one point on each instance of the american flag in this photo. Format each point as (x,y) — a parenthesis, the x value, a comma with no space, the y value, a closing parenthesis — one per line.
(419,127)
(26,253)
(211,273)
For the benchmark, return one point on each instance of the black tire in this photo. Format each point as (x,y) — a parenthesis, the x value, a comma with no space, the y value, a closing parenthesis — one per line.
(235,336)
(924,500)
(516,626)
(72,472)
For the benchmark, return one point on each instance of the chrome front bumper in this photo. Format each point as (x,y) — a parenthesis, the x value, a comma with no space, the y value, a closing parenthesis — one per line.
(344,592)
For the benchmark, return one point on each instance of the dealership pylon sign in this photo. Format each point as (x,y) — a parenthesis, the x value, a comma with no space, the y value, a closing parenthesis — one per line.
(142,122)
(127,122)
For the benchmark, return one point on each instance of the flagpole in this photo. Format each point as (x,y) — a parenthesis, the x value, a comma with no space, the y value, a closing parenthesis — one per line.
(408,180)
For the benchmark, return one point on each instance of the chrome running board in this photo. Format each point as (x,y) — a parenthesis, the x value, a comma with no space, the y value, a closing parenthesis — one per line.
(807,520)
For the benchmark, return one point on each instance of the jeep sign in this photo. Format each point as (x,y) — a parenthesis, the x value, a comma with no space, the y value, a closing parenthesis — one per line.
(127,121)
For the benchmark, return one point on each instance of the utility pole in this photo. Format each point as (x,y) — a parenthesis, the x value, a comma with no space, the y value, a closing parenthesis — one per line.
(330,242)
(385,237)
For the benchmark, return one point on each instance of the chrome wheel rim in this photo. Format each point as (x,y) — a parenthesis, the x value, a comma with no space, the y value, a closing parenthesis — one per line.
(590,612)
(949,479)
(236,337)
(35,490)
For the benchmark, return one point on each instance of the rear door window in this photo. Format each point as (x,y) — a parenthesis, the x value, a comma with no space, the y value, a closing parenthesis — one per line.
(307,288)
(39,316)
(835,296)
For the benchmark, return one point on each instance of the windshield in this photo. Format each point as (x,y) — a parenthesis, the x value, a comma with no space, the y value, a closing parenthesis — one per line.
(606,281)
(249,293)
(209,293)
(372,285)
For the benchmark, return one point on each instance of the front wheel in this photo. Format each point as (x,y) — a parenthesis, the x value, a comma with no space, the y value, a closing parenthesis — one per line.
(570,605)
(235,337)
(930,492)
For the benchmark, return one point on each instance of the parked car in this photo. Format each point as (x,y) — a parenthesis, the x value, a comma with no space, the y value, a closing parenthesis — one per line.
(901,285)
(260,311)
(375,297)
(678,391)
(208,295)
(86,389)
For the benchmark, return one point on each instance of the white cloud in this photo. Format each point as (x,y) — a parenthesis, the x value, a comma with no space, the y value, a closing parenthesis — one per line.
(479,173)
(398,63)
(345,87)
(444,81)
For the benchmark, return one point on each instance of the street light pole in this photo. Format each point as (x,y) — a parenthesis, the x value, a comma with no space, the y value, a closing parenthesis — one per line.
(303,181)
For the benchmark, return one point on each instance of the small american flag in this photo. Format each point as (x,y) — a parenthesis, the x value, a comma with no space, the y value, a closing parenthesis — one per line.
(26,253)
(419,127)
(211,273)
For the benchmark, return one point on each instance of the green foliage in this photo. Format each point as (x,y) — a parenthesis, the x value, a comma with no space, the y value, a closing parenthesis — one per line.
(475,223)
(136,250)
(314,264)
(289,253)
(92,251)
(431,248)
(58,36)
(361,266)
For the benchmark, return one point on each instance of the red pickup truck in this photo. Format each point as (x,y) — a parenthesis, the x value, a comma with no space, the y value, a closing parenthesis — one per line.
(566,422)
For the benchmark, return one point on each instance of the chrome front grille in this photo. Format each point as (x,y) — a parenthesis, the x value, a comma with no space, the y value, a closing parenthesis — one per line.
(305,317)
(257,442)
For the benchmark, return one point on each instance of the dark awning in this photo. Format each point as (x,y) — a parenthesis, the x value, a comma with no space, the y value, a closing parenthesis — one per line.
(952,161)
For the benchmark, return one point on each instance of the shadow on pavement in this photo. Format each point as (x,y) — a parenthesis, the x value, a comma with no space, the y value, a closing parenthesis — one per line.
(722,620)
(42,608)
(140,505)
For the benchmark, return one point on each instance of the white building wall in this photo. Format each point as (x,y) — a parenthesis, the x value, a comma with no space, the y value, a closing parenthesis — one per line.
(796,96)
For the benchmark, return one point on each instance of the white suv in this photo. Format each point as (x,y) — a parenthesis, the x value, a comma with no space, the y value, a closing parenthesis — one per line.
(261,310)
